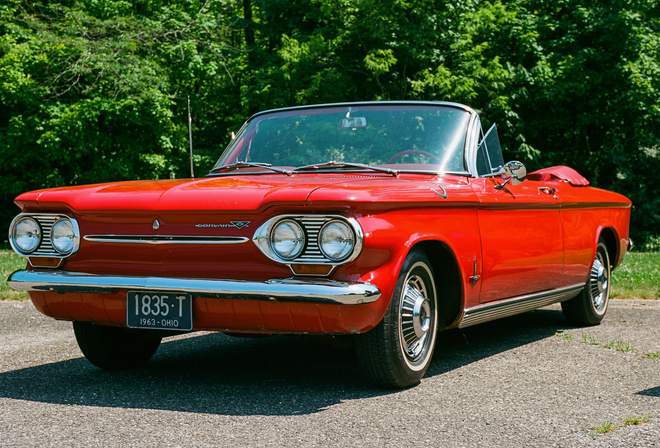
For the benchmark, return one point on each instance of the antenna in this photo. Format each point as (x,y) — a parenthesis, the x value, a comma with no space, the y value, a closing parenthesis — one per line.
(192,171)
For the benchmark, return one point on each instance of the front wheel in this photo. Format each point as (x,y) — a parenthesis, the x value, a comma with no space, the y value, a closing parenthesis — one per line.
(590,306)
(397,353)
(115,348)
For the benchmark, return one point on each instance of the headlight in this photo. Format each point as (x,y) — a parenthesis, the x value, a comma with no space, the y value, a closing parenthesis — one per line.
(336,240)
(26,235)
(287,239)
(62,236)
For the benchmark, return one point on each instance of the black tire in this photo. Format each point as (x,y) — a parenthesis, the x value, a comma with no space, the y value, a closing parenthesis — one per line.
(397,353)
(115,348)
(590,306)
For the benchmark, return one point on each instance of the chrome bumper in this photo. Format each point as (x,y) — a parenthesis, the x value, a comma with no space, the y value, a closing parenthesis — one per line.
(277,290)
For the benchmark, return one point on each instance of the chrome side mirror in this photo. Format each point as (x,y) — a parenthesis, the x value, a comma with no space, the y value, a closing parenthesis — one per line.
(513,172)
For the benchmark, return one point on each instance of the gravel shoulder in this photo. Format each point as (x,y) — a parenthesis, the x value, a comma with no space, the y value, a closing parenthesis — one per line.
(528,380)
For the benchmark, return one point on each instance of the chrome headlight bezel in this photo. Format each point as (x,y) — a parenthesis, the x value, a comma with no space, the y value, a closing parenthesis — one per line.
(14,237)
(311,253)
(45,248)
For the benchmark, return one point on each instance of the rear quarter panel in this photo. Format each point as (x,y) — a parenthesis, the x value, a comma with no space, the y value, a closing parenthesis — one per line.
(585,214)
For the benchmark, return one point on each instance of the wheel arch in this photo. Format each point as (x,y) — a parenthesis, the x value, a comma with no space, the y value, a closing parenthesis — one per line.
(448,279)
(609,236)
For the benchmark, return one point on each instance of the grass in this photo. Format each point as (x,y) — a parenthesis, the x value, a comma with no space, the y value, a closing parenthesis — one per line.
(638,277)
(624,347)
(603,428)
(619,346)
(631,420)
(636,420)
(10,262)
(589,339)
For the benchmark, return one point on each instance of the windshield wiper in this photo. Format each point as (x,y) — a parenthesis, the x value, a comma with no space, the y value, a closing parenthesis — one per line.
(237,165)
(332,164)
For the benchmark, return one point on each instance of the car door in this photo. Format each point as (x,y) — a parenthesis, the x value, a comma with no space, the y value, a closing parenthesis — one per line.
(520,229)
(521,241)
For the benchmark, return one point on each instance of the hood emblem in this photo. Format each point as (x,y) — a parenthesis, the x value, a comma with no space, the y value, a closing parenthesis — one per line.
(238,224)
(442,193)
(156,224)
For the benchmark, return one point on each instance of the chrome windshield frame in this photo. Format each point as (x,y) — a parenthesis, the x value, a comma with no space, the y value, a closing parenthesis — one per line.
(469,153)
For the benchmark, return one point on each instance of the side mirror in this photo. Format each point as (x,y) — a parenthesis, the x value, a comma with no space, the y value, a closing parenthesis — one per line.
(513,172)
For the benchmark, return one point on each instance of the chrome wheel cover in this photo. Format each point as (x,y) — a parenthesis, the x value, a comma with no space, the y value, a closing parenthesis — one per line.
(417,316)
(599,283)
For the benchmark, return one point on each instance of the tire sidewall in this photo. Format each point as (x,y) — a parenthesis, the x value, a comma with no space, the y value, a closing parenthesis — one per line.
(602,250)
(416,263)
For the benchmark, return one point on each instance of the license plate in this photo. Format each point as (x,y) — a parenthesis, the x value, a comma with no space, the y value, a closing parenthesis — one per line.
(159,310)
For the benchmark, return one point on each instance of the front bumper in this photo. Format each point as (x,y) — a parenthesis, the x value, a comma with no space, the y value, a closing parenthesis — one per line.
(276,290)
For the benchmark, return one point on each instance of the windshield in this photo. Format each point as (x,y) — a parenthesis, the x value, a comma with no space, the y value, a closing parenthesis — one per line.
(402,137)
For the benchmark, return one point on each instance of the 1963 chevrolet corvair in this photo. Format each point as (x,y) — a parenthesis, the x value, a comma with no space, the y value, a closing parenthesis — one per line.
(388,220)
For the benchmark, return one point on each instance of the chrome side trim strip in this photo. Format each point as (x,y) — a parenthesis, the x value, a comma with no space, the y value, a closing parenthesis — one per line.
(276,290)
(165,239)
(505,308)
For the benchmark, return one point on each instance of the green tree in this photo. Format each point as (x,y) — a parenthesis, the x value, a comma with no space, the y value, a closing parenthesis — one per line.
(96,90)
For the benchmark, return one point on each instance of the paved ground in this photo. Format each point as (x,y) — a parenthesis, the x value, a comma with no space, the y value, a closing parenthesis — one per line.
(511,383)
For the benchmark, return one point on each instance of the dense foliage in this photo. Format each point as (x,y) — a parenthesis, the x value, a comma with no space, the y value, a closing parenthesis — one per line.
(96,90)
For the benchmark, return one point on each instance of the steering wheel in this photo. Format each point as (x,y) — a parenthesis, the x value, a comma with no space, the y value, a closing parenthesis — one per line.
(413,151)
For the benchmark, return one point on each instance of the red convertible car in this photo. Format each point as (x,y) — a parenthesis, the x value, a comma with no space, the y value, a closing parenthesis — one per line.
(391,221)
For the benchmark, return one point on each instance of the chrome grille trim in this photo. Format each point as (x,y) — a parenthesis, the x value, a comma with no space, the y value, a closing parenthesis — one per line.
(312,253)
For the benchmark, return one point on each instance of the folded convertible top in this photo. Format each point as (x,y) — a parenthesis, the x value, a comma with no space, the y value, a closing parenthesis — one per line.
(559,173)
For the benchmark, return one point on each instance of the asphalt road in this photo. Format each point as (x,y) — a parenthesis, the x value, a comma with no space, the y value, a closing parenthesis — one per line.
(510,383)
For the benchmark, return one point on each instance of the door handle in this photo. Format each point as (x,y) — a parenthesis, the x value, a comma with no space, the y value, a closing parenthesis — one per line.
(550,191)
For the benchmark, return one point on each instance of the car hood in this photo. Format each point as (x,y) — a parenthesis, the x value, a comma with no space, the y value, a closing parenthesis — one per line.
(240,193)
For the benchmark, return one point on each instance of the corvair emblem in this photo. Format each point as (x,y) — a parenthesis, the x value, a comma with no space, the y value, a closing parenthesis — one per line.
(156,224)
(237,224)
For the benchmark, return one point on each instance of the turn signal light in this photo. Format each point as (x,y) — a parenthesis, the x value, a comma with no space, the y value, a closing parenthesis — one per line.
(311,269)
(45,262)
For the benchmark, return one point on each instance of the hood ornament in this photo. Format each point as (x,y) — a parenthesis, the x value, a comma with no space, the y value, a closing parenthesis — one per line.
(156,224)
(442,193)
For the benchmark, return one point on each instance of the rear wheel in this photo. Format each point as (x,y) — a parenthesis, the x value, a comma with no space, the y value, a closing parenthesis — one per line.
(590,306)
(397,353)
(115,348)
